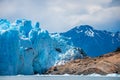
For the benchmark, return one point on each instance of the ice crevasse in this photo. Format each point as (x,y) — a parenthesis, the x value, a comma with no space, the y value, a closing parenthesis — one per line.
(28,49)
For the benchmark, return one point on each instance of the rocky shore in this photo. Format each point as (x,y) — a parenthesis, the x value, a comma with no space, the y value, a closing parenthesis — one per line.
(105,64)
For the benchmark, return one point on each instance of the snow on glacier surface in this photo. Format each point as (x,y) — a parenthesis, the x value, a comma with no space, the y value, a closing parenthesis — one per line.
(27,49)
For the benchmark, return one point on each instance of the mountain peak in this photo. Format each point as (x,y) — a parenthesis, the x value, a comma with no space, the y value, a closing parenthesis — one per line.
(88,30)
(84,27)
(94,42)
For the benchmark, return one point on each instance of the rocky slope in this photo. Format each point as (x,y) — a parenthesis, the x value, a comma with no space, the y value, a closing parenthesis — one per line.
(108,63)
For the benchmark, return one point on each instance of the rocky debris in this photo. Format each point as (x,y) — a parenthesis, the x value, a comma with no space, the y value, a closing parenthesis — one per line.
(106,64)
(118,49)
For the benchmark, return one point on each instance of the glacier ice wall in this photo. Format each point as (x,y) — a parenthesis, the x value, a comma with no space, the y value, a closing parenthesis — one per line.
(28,49)
(9,51)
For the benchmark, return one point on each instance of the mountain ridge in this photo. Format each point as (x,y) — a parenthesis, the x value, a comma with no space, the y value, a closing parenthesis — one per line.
(93,41)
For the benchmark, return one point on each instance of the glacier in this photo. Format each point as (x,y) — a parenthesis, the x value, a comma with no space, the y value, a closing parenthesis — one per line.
(27,49)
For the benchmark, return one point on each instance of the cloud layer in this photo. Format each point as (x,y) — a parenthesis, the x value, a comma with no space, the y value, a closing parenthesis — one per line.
(61,15)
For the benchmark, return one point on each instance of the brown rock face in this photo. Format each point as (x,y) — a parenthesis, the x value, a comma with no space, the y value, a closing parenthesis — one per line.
(108,63)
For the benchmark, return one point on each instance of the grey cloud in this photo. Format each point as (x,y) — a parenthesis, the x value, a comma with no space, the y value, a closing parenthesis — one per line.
(115,3)
(61,15)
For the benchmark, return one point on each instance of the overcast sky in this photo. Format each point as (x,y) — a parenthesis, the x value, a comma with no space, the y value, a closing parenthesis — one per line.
(62,15)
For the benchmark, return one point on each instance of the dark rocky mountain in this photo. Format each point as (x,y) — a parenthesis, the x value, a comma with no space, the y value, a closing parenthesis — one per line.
(93,42)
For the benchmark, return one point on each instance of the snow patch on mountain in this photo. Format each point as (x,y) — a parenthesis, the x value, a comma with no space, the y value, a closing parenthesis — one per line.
(89,33)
